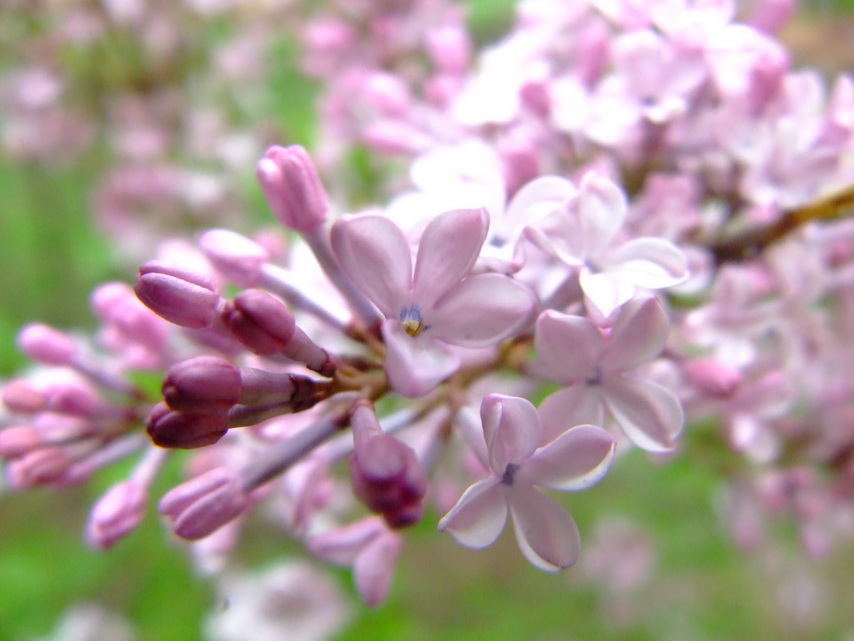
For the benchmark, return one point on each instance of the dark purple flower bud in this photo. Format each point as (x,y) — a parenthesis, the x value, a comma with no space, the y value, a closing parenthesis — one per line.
(177,294)
(292,187)
(182,430)
(202,385)
(386,474)
(260,321)
(205,503)
(47,345)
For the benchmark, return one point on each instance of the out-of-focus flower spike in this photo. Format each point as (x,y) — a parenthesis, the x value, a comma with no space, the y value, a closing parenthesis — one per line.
(179,295)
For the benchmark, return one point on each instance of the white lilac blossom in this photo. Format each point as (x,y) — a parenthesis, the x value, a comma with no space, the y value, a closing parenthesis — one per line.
(575,460)
(436,303)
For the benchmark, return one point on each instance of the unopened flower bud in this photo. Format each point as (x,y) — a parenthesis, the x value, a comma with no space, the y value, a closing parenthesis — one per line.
(19,440)
(177,294)
(386,474)
(292,187)
(711,377)
(21,396)
(47,345)
(204,504)
(183,430)
(260,321)
(235,256)
(116,514)
(202,385)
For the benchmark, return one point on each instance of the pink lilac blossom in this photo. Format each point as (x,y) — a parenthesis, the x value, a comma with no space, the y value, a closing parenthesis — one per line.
(637,202)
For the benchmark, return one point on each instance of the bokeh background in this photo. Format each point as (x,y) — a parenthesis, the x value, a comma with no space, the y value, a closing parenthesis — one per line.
(658,562)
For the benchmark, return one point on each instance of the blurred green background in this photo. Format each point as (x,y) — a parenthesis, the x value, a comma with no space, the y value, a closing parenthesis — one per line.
(701,587)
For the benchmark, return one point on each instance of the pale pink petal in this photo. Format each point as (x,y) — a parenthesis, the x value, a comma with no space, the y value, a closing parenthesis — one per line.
(574,405)
(537,198)
(375,254)
(568,347)
(511,427)
(374,568)
(415,365)
(545,532)
(638,335)
(447,251)
(597,215)
(654,263)
(650,415)
(577,459)
(481,311)
(478,518)
(605,291)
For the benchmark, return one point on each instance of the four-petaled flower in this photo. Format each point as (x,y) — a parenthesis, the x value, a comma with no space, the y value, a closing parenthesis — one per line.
(572,350)
(585,234)
(575,460)
(436,304)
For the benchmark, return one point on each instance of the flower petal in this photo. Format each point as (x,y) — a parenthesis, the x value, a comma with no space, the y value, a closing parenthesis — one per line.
(478,518)
(375,254)
(545,532)
(568,347)
(638,335)
(447,251)
(605,292)
(650,415)
(511,427)
(654,263)
(481,311)
(577,459)
(573,405)
(415,364)
(535,199)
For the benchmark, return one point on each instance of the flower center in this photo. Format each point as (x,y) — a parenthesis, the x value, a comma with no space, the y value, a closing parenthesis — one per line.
(410,319)
(509,473)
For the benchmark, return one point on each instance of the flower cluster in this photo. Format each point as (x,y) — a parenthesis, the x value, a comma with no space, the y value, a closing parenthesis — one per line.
(632,211)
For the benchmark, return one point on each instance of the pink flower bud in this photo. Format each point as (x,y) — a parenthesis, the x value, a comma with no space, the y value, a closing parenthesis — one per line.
(116,514)
(712,377)
(47,345)
(39,467)
(260,321)
(202,385)
(204,504)
(182,430)
(21,396)
(19,440)
(292,187)
(177,294)
(235,256)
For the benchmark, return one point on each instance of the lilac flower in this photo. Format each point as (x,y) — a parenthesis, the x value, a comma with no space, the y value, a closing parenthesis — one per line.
(435,304)
(572,350)
(575,460)
(585,235)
